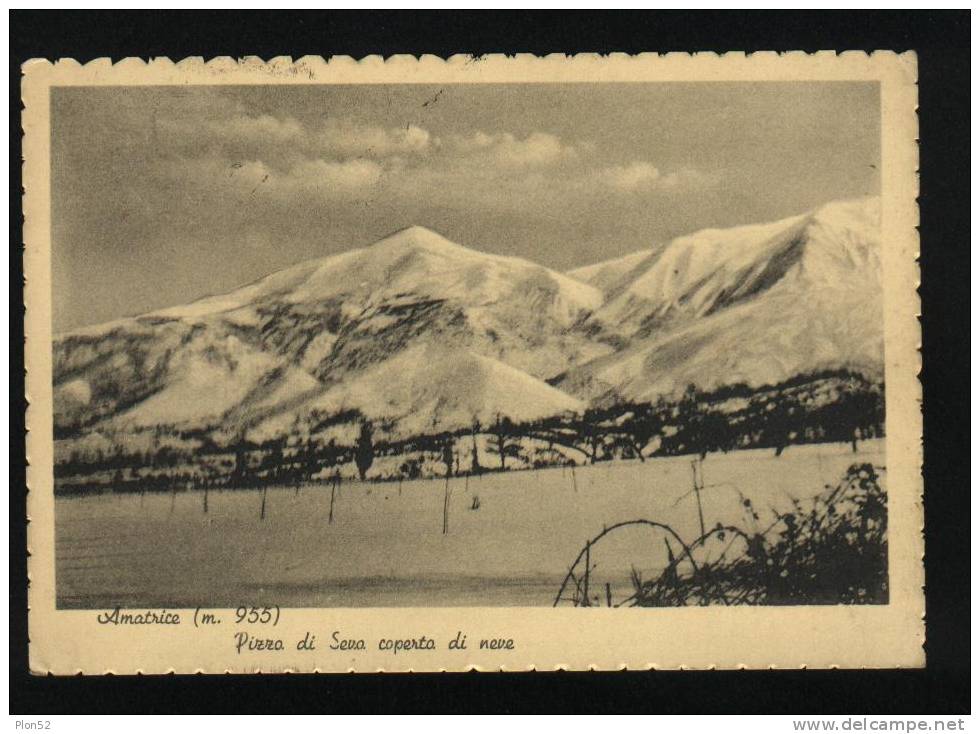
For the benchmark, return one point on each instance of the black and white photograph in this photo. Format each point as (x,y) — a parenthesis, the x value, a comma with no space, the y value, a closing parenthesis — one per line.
(517,345)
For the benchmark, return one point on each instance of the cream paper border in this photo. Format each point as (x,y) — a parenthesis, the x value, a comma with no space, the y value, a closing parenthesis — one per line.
(68,642)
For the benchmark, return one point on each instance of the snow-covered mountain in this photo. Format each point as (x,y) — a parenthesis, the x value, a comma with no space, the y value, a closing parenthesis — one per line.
(423,335)
(611,275)
(344,332)
(426,389)
(754,304)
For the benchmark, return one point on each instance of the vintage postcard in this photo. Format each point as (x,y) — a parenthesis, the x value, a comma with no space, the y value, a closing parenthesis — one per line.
(480,363)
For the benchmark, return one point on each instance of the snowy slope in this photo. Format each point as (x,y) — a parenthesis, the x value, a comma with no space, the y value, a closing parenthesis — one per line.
(416,261)
(233,360)
(754,304)
(702,273)
(609,275)
(708,271)
(428,389)
(346,311)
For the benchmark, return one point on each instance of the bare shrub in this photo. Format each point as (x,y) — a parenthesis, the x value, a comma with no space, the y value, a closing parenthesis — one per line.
(832,550)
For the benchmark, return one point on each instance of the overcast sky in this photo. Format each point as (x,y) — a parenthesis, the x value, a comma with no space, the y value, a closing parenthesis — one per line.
(162,195)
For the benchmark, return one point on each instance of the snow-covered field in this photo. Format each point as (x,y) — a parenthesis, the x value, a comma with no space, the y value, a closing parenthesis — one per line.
(386,547)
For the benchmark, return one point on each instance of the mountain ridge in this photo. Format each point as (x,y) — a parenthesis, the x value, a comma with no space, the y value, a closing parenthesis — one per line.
(801,293)
(481,335)
(321,323)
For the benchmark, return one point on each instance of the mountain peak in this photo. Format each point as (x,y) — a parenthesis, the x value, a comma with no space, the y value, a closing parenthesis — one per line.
(863,213)
(415,231)
(416,237)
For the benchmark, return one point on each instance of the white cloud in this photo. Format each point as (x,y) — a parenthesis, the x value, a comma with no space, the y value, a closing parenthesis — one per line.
(345,138)
(231,132)
(283,161)
(641,177)
(344,175)
(271,138)
(264,129)
(631,177)
(506,150)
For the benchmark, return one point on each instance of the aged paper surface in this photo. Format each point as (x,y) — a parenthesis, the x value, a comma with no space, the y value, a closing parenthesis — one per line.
(497,364)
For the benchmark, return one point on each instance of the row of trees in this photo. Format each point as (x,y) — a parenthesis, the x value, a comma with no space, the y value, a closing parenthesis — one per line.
(836,406)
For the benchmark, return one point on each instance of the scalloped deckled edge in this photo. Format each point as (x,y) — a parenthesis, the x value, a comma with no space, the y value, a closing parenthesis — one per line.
(520,68)
(51,653)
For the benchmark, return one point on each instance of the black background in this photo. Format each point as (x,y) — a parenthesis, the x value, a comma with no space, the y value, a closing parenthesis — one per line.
(942,41)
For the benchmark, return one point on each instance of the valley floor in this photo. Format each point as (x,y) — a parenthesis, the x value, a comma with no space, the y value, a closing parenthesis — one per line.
(511,536)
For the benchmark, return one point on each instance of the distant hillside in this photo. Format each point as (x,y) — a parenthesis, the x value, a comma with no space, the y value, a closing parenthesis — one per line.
(755,304)
(421,336)
(314,334)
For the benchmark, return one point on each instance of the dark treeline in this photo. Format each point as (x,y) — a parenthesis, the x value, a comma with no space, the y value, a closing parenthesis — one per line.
(831,406)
